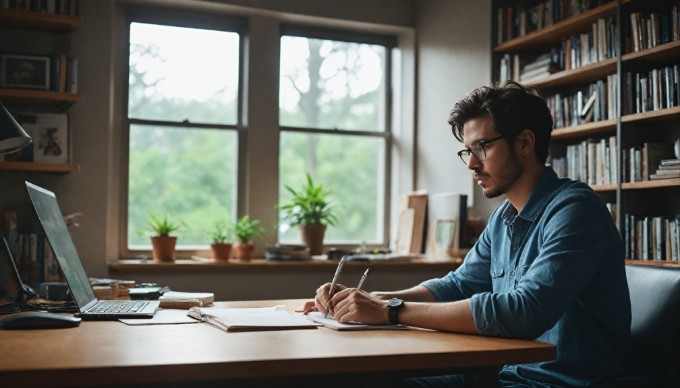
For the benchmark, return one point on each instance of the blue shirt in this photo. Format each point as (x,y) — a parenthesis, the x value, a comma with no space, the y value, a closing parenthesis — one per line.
(555,273)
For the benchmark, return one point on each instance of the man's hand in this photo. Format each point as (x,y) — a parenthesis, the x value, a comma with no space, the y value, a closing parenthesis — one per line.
(354,305)
(322,301)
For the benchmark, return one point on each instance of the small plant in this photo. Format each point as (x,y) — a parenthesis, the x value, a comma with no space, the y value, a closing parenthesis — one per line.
(222,233)
(309,205)
(246,229)
(163,226)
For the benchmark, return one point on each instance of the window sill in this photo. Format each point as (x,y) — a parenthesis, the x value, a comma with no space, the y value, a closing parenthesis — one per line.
(262,265)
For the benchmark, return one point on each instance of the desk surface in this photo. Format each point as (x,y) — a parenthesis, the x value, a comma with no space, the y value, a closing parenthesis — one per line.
(190,352)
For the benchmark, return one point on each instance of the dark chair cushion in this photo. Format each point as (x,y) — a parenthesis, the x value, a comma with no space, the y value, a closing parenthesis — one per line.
(655,326)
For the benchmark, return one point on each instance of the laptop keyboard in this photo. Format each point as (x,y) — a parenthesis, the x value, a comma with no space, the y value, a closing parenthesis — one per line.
(117,306)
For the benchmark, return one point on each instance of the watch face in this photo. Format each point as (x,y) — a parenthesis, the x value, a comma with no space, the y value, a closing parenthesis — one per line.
(395,302)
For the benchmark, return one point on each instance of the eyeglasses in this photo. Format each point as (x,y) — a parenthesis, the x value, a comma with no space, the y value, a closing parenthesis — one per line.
(478,150)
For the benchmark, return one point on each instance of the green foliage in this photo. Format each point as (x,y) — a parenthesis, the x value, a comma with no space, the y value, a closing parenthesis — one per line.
(163,226)
(247,229)
(222,232)
(308,205)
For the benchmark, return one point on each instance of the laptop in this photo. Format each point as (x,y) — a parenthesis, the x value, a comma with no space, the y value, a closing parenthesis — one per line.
(52,221)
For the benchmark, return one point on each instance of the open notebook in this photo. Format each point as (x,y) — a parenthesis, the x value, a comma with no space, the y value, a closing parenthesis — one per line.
(249,319)
(335,325)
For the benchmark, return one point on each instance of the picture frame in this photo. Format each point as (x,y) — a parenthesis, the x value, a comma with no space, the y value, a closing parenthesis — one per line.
(51,138)
(24,71)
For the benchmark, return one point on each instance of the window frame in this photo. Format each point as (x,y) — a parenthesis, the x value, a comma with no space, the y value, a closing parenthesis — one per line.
(390,43)
(196,20)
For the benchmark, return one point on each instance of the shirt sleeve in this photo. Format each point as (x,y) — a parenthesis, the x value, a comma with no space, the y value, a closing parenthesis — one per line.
(573,238)
(471,277)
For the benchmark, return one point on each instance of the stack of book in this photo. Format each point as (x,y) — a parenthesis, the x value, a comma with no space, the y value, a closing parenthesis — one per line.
(542,66)
(668,168)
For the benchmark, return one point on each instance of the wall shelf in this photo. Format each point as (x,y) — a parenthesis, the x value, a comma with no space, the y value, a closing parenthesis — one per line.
(675,182)
(40,21)
(588,129)
(38,99)
(40,167)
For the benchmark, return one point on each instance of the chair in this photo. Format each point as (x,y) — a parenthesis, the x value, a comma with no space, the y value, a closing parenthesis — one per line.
(655,327)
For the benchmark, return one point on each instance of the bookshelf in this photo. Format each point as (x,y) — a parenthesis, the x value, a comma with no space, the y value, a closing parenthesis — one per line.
(57,21)
(620,52)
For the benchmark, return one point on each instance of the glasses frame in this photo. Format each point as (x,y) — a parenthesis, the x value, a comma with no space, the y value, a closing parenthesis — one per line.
(480,144)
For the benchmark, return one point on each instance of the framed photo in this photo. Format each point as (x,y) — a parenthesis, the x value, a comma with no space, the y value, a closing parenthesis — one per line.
(24,71)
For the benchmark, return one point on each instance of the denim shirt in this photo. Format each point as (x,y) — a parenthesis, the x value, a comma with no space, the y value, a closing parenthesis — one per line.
(554,273)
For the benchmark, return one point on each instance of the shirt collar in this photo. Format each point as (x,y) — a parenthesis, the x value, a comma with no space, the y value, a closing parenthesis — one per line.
(538,199)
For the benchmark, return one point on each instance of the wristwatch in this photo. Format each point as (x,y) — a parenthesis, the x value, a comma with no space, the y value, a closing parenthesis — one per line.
(393,307)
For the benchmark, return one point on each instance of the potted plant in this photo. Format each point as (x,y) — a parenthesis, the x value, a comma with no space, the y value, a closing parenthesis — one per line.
(310,209)
(245,230)
(221,237)
(162,243)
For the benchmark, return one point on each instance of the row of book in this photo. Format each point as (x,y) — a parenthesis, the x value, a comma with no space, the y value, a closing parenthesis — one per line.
(69,7)
(651,161)
(652,237)
(651,90)
(592,161)
(646,30)
(64,74)
(30,249)
(596,102)
(575,51)
(516,20)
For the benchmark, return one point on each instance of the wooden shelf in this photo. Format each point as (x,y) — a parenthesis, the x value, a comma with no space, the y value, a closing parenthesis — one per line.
(43,167)
(653,263)
(38,99)
(655,184)
(656,115)
(553,35)
(584,130)
(666,52)
(604,188)
(40,21)
(582,75)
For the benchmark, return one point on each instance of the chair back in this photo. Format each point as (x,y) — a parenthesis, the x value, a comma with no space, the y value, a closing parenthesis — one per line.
(655,326)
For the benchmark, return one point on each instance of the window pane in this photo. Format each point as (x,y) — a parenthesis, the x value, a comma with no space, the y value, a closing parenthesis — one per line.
(353,167)
(179,74)
(332,85)
(189,174)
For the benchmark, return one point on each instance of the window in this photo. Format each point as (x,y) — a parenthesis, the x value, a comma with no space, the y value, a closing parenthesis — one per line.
(183,115)
(333,114)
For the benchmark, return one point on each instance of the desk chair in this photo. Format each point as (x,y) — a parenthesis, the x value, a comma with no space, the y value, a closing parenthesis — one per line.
(655,328)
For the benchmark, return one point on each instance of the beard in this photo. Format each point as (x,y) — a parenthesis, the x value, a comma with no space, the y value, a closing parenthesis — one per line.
(511,172)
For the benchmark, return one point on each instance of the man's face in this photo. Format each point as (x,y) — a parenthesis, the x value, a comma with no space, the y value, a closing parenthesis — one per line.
(501,168)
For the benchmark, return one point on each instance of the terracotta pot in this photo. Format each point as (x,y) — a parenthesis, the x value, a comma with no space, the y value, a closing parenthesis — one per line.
(312,236)
(243,251)
(221,251)
(164,248)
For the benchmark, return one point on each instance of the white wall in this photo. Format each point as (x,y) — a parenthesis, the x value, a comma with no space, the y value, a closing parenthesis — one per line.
(454,57)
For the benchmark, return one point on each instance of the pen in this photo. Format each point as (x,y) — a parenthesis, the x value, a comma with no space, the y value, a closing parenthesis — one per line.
(335,279)
(363,277)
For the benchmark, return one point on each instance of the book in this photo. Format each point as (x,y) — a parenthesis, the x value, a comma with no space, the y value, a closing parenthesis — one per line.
(331,323)
(251,319)
(405,231)
(652,155)
(446,225)
(185,300)
(666,175)
(416,200)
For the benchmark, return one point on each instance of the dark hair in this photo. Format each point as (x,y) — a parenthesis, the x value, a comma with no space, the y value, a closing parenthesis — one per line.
(512,109)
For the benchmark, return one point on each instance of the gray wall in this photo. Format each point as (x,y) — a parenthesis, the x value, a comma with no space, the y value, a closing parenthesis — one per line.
(453,57)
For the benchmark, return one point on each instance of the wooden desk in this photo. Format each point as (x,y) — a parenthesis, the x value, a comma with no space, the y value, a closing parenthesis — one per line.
(200,352)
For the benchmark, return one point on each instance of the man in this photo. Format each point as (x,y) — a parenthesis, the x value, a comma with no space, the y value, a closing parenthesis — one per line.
(548,266)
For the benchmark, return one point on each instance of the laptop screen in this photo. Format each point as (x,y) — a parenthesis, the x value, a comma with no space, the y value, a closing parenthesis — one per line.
(52,221)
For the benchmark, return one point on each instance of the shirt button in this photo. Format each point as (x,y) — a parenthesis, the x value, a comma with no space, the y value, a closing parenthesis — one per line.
(514,248)
(512,273)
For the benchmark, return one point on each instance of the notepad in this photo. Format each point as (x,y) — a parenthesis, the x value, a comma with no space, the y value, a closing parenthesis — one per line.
(250,319)
(331,323)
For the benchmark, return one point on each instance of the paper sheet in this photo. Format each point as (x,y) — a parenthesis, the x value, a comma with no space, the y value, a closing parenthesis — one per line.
(335,325)
(162,317)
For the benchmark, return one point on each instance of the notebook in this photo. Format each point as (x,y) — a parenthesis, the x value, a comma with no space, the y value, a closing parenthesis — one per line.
(52,221)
